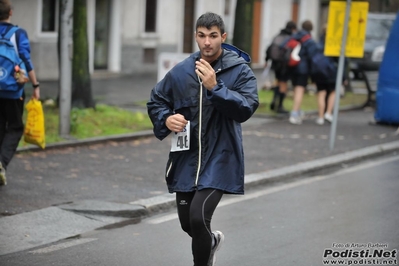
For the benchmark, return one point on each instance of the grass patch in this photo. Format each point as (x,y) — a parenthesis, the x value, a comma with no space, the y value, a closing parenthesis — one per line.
(104,120)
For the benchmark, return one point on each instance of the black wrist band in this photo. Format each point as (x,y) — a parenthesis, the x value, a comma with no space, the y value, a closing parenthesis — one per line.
(36,85)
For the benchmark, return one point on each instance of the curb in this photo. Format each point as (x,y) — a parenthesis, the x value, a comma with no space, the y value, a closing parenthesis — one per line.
(89,141)
(167,201)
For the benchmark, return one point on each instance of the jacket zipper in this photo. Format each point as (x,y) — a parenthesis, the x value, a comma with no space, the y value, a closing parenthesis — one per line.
(199,133)
(200,129)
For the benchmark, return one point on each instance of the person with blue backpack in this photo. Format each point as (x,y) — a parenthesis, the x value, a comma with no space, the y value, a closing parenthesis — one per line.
(323,71)
(16,69)
(301,72)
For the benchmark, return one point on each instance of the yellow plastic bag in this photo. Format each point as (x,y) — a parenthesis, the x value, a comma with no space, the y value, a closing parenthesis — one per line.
(34,128)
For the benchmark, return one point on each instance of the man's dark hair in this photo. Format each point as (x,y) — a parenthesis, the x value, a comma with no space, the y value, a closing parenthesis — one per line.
(5,8)
(307,25)
(290,26)
(208,20)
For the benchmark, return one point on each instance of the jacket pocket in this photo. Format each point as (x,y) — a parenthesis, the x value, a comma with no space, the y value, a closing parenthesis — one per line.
(168,172)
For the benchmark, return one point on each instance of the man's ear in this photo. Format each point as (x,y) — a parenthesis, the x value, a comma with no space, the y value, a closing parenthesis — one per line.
(10,13)
(224,36)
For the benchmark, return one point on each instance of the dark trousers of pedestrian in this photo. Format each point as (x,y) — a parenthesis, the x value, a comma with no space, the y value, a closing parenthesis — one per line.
(11,128)
(195,210)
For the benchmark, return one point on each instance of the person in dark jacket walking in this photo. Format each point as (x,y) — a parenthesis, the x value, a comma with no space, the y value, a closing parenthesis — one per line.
(281,70)
(202,102)
(12,103)
(325,88)
(301,72)
(326,83)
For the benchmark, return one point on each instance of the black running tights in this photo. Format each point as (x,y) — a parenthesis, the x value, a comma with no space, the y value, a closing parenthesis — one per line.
(195,210)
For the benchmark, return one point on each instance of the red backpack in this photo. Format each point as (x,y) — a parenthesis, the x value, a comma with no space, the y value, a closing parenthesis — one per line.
(291,48)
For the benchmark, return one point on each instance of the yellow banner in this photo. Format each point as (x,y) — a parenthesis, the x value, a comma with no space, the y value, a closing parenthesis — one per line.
(356,31)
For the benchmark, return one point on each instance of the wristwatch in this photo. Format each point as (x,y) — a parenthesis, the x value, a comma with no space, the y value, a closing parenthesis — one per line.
(36,85)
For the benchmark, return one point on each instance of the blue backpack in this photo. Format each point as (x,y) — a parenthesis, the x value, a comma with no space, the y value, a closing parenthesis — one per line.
(323,68)
(9,60)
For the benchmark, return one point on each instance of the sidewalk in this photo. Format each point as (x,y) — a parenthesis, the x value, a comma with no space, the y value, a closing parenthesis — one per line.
(66,191)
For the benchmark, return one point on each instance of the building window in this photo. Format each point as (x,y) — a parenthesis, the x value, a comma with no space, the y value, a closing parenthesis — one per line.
(49,15)
(149,56)
(150,15)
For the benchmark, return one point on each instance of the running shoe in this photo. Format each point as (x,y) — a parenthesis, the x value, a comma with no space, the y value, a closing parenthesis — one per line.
(219,239)
(295,119)
(328,117)
(320,121)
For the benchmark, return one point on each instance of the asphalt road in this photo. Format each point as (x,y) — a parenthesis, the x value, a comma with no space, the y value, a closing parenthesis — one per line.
(134,169)
(292,223)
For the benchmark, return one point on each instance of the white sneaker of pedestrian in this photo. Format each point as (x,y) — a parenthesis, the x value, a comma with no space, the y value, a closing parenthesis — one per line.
(219,239)
(320,121)
(296,120)
(328,117)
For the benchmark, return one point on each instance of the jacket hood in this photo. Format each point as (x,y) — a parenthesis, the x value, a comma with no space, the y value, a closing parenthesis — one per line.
(239,52)
(300,34)
(286,32)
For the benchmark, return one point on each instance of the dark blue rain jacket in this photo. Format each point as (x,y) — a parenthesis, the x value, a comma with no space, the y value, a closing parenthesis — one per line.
(215,158)
(308,48)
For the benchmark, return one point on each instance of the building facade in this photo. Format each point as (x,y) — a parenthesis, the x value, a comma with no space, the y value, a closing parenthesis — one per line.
(127,36)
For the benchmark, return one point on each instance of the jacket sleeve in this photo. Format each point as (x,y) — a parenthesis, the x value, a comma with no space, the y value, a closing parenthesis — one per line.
(24,48)
(240,102)
(267,57)
(312,48)
(160,107)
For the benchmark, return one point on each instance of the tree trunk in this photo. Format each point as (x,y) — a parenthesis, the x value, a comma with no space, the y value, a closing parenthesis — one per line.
(65,65)
(243,25)
(81,81)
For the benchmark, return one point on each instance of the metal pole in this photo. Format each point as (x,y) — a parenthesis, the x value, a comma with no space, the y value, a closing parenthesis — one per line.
(338,81)
(65,66)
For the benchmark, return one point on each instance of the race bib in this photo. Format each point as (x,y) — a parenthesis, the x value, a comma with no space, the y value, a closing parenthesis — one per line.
(181,140)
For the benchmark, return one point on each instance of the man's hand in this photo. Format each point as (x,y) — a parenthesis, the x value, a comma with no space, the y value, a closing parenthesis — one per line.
(36,93)
(205,71)
(176,122)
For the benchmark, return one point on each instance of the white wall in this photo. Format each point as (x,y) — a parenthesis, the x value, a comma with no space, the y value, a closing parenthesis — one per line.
(127,37)
(91,20)
(275,14)
(132,19)
(26,15)
(170,22)
(115,42)
(309,10)
(215,6)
